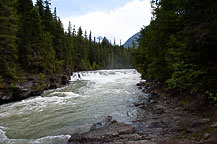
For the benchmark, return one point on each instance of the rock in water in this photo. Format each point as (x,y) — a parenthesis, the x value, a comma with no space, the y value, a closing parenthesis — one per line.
(107,121)
(105,131)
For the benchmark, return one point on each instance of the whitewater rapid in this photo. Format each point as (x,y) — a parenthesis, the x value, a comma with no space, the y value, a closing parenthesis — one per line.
(53,116)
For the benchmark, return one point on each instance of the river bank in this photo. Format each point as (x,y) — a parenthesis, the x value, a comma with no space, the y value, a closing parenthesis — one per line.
(173,118)
(30,85)
(166,119)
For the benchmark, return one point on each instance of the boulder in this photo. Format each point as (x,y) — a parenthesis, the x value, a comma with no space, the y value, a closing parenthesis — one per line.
(105,131)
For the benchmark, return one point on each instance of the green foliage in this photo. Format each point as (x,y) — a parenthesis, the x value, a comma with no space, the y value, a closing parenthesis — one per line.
(82,65)
(8,38)
(11,88)
(2,85)
(42,81)
(59,66)
(47,54)
(211,96)
(179,46)
(94,65)
(186,77)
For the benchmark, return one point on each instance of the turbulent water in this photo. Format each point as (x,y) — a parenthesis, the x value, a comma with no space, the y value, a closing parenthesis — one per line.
(53,116)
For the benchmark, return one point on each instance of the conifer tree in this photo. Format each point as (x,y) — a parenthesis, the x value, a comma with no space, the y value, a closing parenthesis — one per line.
(69,49)
(40,7)
(91,50)
(86,47)
(48,18)
(55,14)
(58,39)
(8,31)
(32,45)
(24,33)
(80,44)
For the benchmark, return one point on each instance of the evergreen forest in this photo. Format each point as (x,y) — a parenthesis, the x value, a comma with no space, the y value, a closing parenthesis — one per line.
(33,41)
(179,47)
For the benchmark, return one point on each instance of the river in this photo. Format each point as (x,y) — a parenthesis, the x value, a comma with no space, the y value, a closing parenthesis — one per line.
(53,116)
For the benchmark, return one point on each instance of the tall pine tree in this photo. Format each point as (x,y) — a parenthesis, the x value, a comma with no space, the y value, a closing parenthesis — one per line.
(8,38)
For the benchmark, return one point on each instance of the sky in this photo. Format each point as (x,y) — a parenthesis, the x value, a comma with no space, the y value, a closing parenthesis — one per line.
(113,19)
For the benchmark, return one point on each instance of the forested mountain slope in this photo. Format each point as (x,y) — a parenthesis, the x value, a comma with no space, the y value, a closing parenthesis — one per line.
(132,41)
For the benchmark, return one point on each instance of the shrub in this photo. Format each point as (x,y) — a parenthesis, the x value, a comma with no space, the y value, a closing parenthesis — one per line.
(186,77)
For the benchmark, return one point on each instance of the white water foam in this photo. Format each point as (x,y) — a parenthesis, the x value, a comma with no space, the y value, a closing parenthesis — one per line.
(59,139)
(2,134)
(64,94)
(104,76)
(36,104)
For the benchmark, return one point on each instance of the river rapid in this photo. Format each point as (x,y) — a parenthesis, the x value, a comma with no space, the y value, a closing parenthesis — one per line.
(53,116)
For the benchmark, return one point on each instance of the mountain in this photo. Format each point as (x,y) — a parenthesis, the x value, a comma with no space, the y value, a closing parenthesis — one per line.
(99,38)
(134,38)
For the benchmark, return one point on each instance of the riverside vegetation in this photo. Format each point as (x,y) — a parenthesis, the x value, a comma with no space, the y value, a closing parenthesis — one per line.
(178,48)
(34,47)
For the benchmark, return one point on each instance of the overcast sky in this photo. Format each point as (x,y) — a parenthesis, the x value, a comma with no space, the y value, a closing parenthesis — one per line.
(119,19)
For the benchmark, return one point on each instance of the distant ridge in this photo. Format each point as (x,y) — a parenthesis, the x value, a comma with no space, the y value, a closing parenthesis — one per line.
(100,38)
(128,43)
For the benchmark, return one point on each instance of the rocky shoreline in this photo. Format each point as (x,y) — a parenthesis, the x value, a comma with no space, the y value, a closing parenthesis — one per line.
(172,119)
(166,120)
(32,85)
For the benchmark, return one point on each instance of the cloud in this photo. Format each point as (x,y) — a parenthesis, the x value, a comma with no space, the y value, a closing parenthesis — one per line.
(120,23)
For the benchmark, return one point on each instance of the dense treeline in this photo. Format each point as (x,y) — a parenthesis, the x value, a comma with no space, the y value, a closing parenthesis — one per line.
(179,47)
(33,40)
